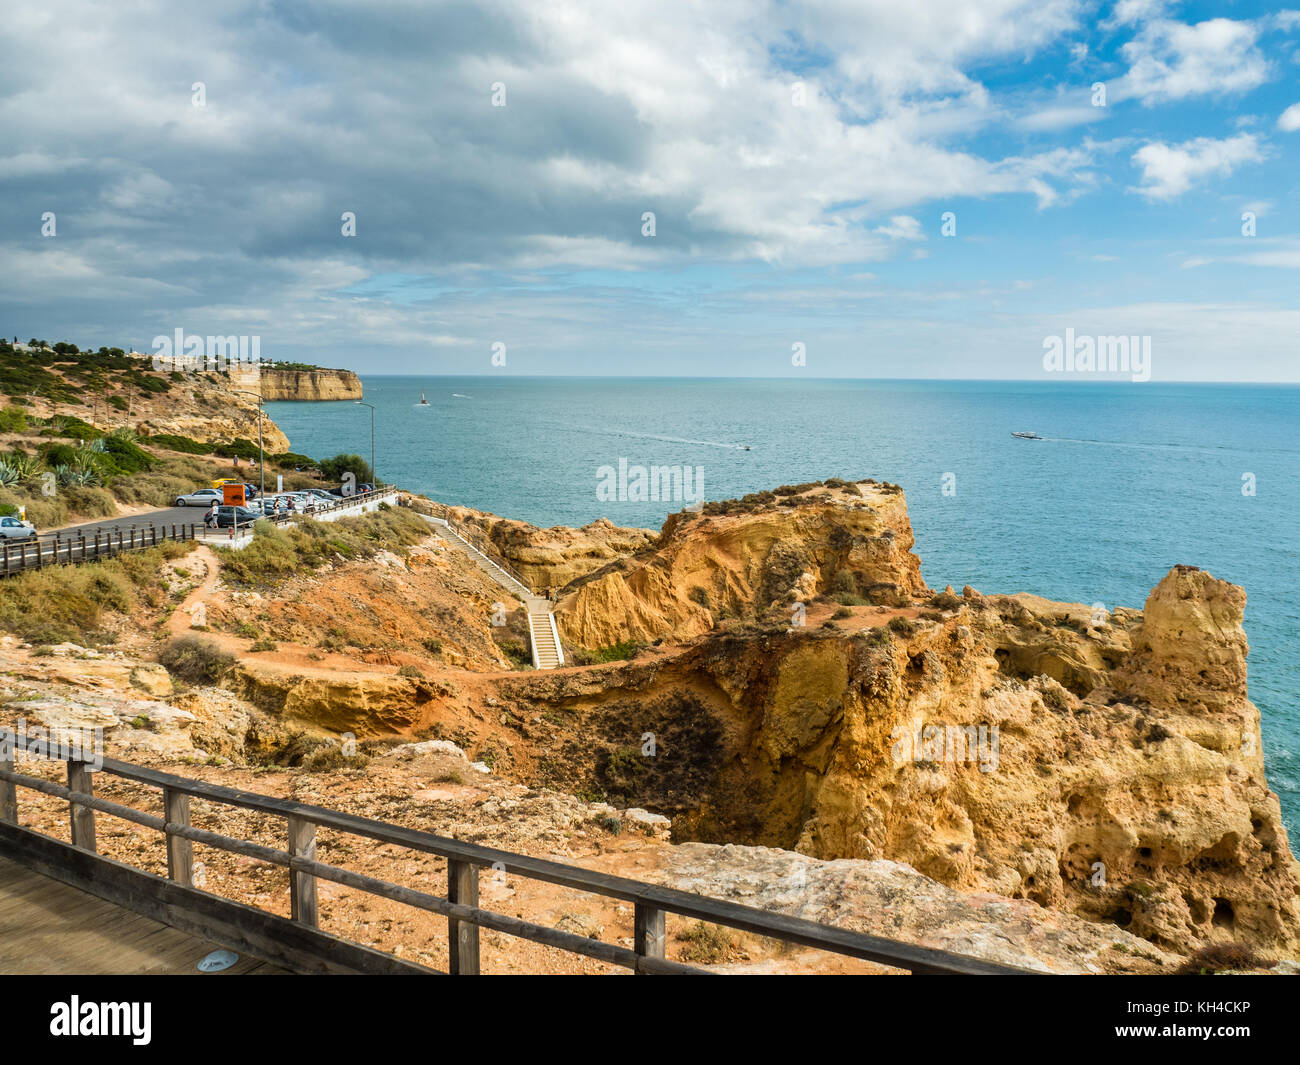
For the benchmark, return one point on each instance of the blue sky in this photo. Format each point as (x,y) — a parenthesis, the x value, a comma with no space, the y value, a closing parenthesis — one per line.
(798,159)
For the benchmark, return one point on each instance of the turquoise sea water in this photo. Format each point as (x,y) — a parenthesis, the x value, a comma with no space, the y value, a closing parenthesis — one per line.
(1132,478)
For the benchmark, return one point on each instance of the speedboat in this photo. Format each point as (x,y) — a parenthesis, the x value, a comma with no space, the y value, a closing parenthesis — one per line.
(1027,436)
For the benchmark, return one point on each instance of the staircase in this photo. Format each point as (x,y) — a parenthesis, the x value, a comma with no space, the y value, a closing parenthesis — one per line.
(543,636)
(545,641)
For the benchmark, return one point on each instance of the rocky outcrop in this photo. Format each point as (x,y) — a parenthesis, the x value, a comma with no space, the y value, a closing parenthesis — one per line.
(1108,765)
(547,558)
(203,408)
(747,561)
(884,898)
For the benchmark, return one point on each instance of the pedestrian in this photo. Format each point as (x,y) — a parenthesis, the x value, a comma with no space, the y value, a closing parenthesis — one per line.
(210,520)
(277,508)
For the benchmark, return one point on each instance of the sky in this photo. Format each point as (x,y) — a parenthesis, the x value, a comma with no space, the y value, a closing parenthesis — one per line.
(724,188)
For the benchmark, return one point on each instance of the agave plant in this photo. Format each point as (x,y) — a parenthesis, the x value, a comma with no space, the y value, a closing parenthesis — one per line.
(8,475)
(124,433)
(85,460)
(70,477)
(24,465)
(97,445)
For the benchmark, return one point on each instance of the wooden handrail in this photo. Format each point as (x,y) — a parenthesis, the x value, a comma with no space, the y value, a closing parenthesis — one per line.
(461,908)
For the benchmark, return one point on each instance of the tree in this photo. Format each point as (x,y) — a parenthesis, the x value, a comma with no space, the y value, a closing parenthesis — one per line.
(334,469)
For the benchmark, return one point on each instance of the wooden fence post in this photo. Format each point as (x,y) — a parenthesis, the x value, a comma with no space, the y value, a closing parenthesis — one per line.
(649,931)
(302,886)
(180,851)
(8,792)
(81,779)
(462,936)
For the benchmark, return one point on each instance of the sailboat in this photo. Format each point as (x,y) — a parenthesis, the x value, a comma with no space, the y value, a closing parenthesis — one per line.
(423,402)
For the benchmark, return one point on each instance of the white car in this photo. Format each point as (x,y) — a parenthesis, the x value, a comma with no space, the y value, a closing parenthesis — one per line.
(204,497)
(14,529)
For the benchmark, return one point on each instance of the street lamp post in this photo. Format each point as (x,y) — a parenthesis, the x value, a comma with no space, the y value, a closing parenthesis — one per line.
(373,472)
(261,460)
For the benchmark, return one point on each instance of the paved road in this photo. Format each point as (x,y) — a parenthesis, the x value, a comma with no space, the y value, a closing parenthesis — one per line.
(167,516)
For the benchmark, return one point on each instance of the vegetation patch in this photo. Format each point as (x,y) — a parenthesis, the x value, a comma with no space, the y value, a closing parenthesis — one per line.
(195,659)
(277,553)
(61,604)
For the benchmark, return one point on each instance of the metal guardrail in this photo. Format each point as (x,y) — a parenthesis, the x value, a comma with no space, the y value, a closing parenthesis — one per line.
(459,904)
(73,547)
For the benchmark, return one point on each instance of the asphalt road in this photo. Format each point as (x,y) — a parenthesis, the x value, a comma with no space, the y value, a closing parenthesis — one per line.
(167,516)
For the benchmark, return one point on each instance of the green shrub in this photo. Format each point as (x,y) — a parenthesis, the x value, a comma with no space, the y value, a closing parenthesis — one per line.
(410,671)
(170,442)
(12,420)
(195,660)
(334,469)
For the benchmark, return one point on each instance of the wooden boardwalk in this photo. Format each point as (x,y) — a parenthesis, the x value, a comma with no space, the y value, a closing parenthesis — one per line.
(48,928)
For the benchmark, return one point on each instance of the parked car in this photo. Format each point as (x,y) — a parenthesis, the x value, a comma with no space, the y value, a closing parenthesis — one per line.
(202,497)
(250,491)
(227,480)
(16,529)
(228,516)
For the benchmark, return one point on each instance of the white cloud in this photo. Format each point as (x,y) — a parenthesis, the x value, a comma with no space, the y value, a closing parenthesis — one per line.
(1169,170)
(1173,61)
(1131,12)
(902,227)
(1289,120)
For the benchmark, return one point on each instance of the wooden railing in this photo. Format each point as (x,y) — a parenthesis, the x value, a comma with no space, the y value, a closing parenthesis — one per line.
(74,547)
(298,942)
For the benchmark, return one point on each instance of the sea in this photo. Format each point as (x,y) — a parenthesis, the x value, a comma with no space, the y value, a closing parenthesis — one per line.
(1129,479)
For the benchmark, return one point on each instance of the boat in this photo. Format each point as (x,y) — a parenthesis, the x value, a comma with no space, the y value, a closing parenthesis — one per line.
(423,402)
(1027,436)
(744,447)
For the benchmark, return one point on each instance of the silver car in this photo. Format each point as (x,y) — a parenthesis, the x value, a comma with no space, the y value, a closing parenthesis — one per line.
(204,497)
(14,529)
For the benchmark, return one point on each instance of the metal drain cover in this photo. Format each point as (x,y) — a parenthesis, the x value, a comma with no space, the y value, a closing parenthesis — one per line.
(217,961)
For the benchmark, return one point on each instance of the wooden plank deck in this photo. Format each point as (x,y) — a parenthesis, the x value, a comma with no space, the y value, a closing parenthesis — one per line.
(48,928)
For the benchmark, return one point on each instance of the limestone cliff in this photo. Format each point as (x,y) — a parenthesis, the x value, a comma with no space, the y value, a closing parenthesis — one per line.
(208,409)
(546,558)
(1106,765)
(318,384)
(741,561)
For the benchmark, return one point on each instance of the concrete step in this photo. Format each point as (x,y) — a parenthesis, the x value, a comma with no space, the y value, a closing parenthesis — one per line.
(544,641)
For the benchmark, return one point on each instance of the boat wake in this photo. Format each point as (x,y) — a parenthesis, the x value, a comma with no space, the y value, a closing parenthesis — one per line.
(656,436)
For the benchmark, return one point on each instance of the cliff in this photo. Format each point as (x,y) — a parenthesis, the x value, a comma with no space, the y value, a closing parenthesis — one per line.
(319,384)
(548,558)
(1108,766)
(768,555)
